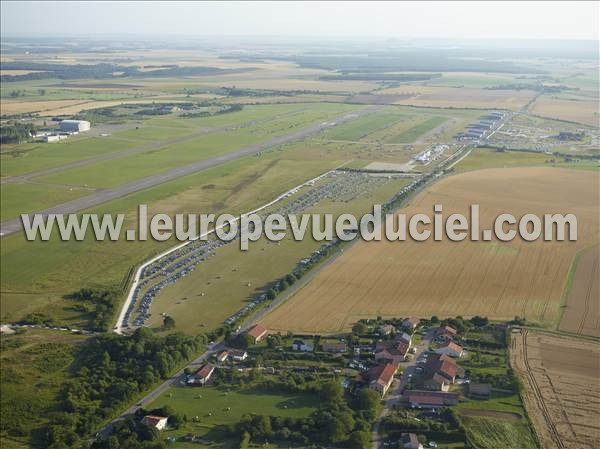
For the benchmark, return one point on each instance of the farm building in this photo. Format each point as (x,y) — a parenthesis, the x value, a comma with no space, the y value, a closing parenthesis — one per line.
(381,377)
(258,333)
(203,375)
(410,441)
(158,422)
(430,399)
(74,126)
(450,348)
(480,391)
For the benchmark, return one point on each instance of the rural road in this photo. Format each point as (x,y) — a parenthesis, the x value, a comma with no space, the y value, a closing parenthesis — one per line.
(194,364)
(394,396)
(105,195)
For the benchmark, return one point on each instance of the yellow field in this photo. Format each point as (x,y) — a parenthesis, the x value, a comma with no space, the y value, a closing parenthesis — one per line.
(496,279)
(581,111)
(560,388)
(445,97)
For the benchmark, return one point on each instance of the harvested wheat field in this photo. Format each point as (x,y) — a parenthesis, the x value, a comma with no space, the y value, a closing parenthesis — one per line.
(496,279)
(561,389)
(581,313)
(445,97)
(580,111)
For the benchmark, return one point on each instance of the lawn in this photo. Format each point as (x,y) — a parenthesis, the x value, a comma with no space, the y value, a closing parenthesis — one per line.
(487,433)
(364,126)
(489,158)
(222,405)
(416,131)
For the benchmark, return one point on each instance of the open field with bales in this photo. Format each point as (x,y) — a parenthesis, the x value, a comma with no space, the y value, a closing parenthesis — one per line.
(500,280)
(561,392)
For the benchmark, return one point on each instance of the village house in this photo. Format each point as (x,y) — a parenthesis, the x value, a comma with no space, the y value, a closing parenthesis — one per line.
(410,441)
(410,324)
(203,375)
(237,355)
(258,333)
(480,391)
(450,348)
(440,372)
(381,377)
(158,422)
(386,329)
(445,333)
(222,356)
(391,351)
(407,338)
(302,346)
(334,347)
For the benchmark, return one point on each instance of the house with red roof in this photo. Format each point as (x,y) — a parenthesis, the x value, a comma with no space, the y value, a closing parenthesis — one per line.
(158,422)
(450,348)
(391,351)
(258,333)
(381,377)
(203,375)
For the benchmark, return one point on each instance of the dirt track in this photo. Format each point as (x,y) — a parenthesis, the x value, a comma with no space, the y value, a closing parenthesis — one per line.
(102,196)
(582,314)
(561,390)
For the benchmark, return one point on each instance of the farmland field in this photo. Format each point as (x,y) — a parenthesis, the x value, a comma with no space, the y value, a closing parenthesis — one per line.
(581,313)
(444,97)
(580,111)
(500,280)
(561,390)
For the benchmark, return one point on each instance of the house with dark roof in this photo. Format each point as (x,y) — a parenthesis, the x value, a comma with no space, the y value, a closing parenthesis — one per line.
(480,391)
(334,347)
(410,441)
(444,333)
(440,372)
(410,324)
(391,351)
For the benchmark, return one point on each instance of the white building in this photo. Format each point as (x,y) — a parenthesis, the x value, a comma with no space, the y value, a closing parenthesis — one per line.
(158,422)
(74,126)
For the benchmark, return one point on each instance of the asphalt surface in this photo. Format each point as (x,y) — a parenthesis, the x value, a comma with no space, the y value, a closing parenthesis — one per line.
(102,196)
(394,395)
(195,364)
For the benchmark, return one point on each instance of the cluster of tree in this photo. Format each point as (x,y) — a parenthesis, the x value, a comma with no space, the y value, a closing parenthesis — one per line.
(102,71)
(239,92)
(447,423)
(335,423)
(98,304)
(506,381)
(111,370)
(131,434)
(225,110)
(37,319)
(16,132)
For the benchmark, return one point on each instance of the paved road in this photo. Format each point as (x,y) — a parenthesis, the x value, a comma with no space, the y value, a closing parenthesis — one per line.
(394,395)
(102,196)
(194,364)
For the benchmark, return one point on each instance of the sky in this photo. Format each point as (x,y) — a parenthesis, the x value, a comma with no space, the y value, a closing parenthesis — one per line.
(460,20)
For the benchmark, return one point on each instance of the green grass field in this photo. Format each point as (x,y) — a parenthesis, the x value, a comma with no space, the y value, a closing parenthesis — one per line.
(416,131)
(215,406)
(34,367)
(488,158)
(488,433)
(364,126)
